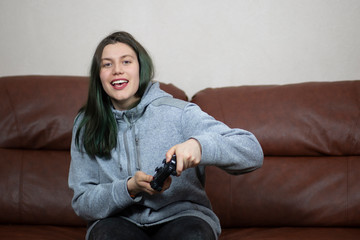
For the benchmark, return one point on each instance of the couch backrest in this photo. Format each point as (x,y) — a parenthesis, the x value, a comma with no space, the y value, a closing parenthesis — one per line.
(36,118)
(310,134)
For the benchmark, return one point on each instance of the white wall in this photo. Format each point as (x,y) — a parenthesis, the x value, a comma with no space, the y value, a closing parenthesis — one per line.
(194,43)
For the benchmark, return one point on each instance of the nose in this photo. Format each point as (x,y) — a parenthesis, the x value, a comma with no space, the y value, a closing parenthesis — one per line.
(118,69)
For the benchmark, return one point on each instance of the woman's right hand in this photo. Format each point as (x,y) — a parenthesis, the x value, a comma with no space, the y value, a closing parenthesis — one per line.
(140,182)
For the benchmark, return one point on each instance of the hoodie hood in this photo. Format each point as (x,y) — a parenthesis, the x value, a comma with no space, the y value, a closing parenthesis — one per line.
(151,93)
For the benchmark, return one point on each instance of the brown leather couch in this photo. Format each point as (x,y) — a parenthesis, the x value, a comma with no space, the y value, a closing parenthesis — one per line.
(308,187)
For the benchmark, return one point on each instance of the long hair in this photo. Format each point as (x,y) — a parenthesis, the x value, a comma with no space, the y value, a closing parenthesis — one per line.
(98,125)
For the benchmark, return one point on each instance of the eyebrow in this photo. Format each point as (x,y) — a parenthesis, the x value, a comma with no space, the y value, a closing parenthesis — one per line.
(122,57)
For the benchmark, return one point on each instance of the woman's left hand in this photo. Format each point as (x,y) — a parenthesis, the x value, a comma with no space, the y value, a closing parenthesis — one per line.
(188,155)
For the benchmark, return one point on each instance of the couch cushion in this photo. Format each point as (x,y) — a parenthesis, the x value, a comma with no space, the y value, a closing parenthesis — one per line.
(313,118)
(289,191)
(34,190)
(286,233)
(37,112)
(43,232)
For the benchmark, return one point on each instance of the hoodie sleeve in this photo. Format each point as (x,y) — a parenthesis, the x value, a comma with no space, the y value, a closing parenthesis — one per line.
(92,200)
(233,150)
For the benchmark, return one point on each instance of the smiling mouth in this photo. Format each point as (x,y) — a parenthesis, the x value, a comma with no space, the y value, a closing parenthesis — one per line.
(119,82)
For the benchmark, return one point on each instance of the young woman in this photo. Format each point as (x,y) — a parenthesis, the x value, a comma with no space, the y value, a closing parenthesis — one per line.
(125,130)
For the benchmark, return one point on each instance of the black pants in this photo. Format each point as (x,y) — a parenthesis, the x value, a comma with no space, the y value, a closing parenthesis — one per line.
(183,228)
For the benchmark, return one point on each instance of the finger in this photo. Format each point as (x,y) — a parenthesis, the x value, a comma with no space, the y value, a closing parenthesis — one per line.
(148,178)
(151,191)
(179,166)
(170,153)
(143,177)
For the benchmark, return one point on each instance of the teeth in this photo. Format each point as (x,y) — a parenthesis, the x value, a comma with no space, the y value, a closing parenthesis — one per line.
(119,82)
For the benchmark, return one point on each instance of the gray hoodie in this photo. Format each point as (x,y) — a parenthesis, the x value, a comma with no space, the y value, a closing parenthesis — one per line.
(145,134)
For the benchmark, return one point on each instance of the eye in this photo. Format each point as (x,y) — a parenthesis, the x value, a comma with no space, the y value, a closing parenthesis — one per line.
(106,65)
(126,62)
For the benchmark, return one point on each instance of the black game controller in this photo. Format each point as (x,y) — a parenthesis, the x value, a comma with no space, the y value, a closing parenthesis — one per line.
(163,172)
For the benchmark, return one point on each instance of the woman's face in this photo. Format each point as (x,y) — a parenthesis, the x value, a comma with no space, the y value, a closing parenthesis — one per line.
(119,74)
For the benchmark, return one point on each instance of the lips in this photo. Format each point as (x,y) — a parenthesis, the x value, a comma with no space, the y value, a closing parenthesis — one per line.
(119,83)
